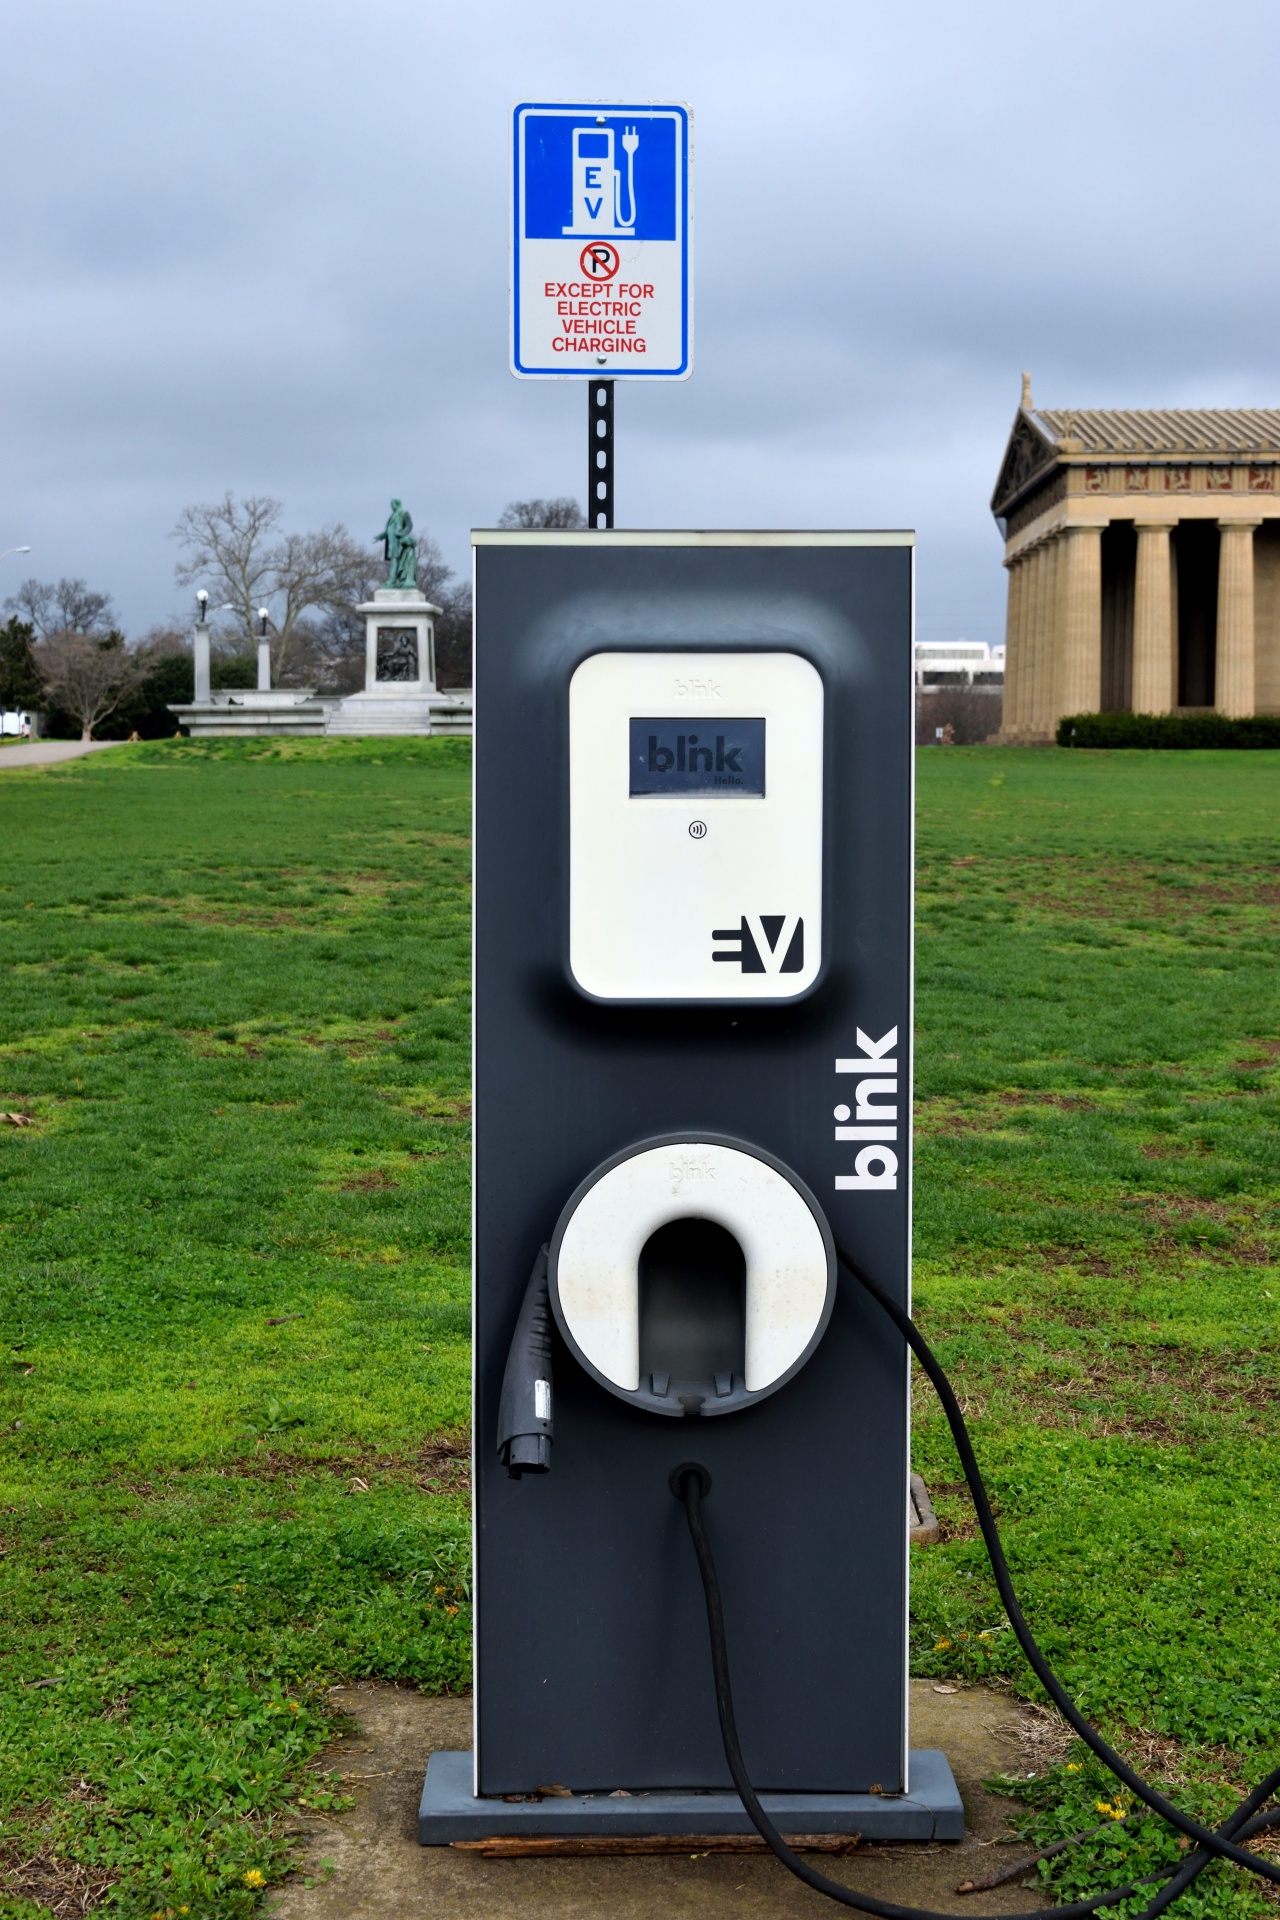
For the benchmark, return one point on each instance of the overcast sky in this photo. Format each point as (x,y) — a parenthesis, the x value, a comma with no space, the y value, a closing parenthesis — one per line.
(261,245)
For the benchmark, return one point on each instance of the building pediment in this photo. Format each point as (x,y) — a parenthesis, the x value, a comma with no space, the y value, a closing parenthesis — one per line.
(1029,455)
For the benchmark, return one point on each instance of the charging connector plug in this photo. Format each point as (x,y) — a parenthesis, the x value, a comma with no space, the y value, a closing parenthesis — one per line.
(525,1425)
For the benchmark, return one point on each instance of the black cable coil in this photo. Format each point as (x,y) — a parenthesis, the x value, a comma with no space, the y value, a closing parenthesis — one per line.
(691,1482)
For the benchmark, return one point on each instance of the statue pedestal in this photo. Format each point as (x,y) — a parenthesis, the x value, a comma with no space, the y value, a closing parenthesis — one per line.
(400,643)
(400,693)
(240,711)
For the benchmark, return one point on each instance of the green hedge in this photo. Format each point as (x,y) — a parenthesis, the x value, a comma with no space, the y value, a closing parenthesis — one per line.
(1168,730)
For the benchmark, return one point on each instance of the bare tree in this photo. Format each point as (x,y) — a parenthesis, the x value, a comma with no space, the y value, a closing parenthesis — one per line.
(453,636)
(560,512)
(160,641)
(88,675)
(237,549)
(70,607)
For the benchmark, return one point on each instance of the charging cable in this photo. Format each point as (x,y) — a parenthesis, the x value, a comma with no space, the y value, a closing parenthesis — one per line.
(692,1482)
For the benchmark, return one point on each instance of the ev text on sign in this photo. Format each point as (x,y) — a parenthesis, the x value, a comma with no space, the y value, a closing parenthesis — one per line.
(600,242)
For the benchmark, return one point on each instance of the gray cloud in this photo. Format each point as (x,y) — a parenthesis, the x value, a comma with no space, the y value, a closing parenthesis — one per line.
(263,246)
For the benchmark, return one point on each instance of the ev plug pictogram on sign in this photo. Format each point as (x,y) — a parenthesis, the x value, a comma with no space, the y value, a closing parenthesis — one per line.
(600,241)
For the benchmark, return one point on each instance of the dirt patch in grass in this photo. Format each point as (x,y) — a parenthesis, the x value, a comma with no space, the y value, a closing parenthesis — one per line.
(1157,1394)
(987,1112)
(444,1464)
(1065,1102)
(370,1182)
(254,918)
(1108,903)
(1268,1052)
(352,1039)
(461,841)
(353,1045)
(66,1888)
(439,1107)
(1174,1212)
(1095,1264)
(1105,891)
(441,1463)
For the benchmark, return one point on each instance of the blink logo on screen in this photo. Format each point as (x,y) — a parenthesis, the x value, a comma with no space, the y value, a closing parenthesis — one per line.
(692,756)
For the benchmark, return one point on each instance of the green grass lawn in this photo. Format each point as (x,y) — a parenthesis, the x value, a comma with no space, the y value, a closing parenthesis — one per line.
(233,1266)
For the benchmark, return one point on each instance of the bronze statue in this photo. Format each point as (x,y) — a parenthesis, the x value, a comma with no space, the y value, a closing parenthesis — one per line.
(400,547)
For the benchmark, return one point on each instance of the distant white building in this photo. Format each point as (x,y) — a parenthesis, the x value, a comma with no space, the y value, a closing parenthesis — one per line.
(958,663)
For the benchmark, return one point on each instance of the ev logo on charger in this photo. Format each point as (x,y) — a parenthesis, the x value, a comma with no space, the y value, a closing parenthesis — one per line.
(765,943)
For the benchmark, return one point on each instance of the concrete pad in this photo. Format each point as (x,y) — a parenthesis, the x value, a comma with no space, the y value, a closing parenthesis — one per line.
(48,753)
(931,1809)
(377,1871)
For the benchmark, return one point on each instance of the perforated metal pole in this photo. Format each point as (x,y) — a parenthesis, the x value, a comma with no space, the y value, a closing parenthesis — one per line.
(600,453)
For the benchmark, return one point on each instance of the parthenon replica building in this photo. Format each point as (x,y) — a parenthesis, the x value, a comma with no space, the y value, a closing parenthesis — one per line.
(1143,552)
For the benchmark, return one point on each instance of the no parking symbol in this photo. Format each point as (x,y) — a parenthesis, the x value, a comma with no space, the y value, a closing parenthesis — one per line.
(600,261)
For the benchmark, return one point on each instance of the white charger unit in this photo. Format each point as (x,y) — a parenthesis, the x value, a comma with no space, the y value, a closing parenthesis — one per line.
(695,826)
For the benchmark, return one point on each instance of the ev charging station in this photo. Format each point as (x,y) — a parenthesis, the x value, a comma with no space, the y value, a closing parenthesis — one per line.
(692,1183)
(693,928)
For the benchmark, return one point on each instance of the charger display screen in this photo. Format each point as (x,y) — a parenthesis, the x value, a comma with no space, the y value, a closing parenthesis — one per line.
(693,755)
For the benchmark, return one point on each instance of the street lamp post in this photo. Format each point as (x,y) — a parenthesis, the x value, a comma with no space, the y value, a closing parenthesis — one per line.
(264,652)
(203,692)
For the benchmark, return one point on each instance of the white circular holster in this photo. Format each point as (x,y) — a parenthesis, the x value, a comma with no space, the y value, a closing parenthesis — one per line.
(692,1276)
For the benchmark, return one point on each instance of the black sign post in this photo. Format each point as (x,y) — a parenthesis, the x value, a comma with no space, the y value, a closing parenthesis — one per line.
(600,454)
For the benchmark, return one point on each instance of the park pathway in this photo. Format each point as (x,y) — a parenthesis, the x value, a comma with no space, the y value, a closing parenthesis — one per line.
(47,753)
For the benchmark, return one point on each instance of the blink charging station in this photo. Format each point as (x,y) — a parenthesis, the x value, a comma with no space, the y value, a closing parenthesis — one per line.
(692,1197)
(693,791)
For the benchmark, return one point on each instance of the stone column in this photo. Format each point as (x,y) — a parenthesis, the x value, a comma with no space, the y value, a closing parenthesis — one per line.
(1234,676)
(1051,635)
(1154,688)
(1079,688)
(264,666)
(1037,604)
(1026,637)
(1015,646)
(200,653)
(1043,648)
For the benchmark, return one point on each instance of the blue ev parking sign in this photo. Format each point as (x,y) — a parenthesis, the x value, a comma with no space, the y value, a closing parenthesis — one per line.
(600,242)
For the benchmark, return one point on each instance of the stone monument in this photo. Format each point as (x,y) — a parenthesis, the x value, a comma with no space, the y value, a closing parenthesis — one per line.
(400,693)
(230,712)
